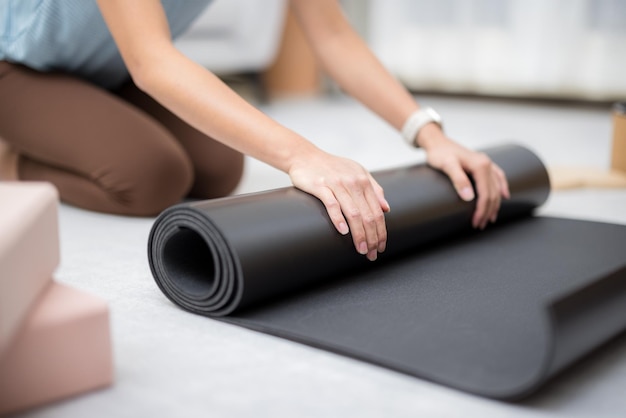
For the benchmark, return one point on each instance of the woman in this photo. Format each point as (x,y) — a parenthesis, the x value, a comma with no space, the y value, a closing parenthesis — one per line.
(97,100)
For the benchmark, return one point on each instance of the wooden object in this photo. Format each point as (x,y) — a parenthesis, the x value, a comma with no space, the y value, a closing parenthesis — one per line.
(294,71)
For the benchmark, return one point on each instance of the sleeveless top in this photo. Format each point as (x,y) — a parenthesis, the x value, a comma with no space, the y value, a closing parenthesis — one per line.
(71,36)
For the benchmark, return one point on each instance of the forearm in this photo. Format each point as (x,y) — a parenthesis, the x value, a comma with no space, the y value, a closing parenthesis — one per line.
(205,102)
(348,61)
(190,91)
(360,74)
(353,199)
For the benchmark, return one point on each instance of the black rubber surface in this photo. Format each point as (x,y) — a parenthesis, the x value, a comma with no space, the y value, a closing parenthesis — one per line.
(495,313)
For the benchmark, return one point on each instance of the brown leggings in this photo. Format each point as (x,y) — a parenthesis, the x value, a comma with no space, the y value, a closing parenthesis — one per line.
(118,152)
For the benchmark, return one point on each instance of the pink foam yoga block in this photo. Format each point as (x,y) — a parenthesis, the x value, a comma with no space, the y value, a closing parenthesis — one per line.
(62,349)
(29,249)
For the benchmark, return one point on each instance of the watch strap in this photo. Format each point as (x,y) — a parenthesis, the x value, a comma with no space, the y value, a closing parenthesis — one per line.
(416,122)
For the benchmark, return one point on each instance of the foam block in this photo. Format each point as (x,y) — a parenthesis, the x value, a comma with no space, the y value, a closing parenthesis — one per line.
(29,249)
(62,349)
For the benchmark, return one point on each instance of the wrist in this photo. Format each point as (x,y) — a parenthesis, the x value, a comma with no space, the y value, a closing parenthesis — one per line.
(302,152)
(430,136)
(420,120)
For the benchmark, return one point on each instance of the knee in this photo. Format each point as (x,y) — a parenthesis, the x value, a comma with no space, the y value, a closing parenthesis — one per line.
(152,182)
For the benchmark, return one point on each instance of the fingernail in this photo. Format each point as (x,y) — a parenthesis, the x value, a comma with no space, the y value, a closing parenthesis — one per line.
(343,228)
(382,247)
(494,218)
(363,248)
(387,207)
(372,255)
(467,194)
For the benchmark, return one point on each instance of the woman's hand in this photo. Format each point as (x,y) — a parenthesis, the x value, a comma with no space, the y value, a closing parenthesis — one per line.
(457,162)
(353,199)
(348,60)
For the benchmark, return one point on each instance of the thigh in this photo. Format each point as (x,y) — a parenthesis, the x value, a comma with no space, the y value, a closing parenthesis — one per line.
(69,125)
(217,168)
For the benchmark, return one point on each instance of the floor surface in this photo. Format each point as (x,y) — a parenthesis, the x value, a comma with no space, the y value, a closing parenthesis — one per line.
(171,363)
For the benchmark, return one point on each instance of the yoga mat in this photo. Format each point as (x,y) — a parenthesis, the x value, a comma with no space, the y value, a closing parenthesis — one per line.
(29,250)
(494,312)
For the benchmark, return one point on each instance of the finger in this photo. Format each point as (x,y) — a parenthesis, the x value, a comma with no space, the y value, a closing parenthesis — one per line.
(481,168)
(496,180)
(486,202)
(380,195)
(502,188)
(488,196)
(379,218)
(384,205)
(459,179)
(481,207)
(370,213)
(353,215)
(334,210)
(503,182)
(497,197)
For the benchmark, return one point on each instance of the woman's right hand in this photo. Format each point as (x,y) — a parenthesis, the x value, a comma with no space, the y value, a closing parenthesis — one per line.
(354,201)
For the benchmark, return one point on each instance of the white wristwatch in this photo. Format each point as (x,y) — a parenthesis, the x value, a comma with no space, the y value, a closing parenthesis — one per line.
(416,122)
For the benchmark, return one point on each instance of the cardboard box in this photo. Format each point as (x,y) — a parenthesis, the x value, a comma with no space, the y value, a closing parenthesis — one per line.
(62,349)
(29,249)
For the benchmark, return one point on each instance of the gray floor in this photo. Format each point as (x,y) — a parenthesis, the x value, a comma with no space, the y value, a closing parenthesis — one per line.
(172,363)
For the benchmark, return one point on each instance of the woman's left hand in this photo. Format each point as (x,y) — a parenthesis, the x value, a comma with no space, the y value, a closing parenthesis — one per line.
(457,162)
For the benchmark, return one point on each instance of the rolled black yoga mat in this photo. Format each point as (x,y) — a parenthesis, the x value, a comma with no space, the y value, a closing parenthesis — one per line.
(495,312)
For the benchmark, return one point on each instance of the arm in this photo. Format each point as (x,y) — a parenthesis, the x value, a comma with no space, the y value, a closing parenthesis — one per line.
(202,100)
(348,60)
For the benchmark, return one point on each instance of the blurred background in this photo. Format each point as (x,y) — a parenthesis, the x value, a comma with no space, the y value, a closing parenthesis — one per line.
(563,49)
(545,73)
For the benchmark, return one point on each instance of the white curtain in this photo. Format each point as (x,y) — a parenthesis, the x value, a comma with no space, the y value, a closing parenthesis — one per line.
(543,48)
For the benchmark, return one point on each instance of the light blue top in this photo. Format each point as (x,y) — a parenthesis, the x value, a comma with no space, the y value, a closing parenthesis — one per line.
(71,36)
